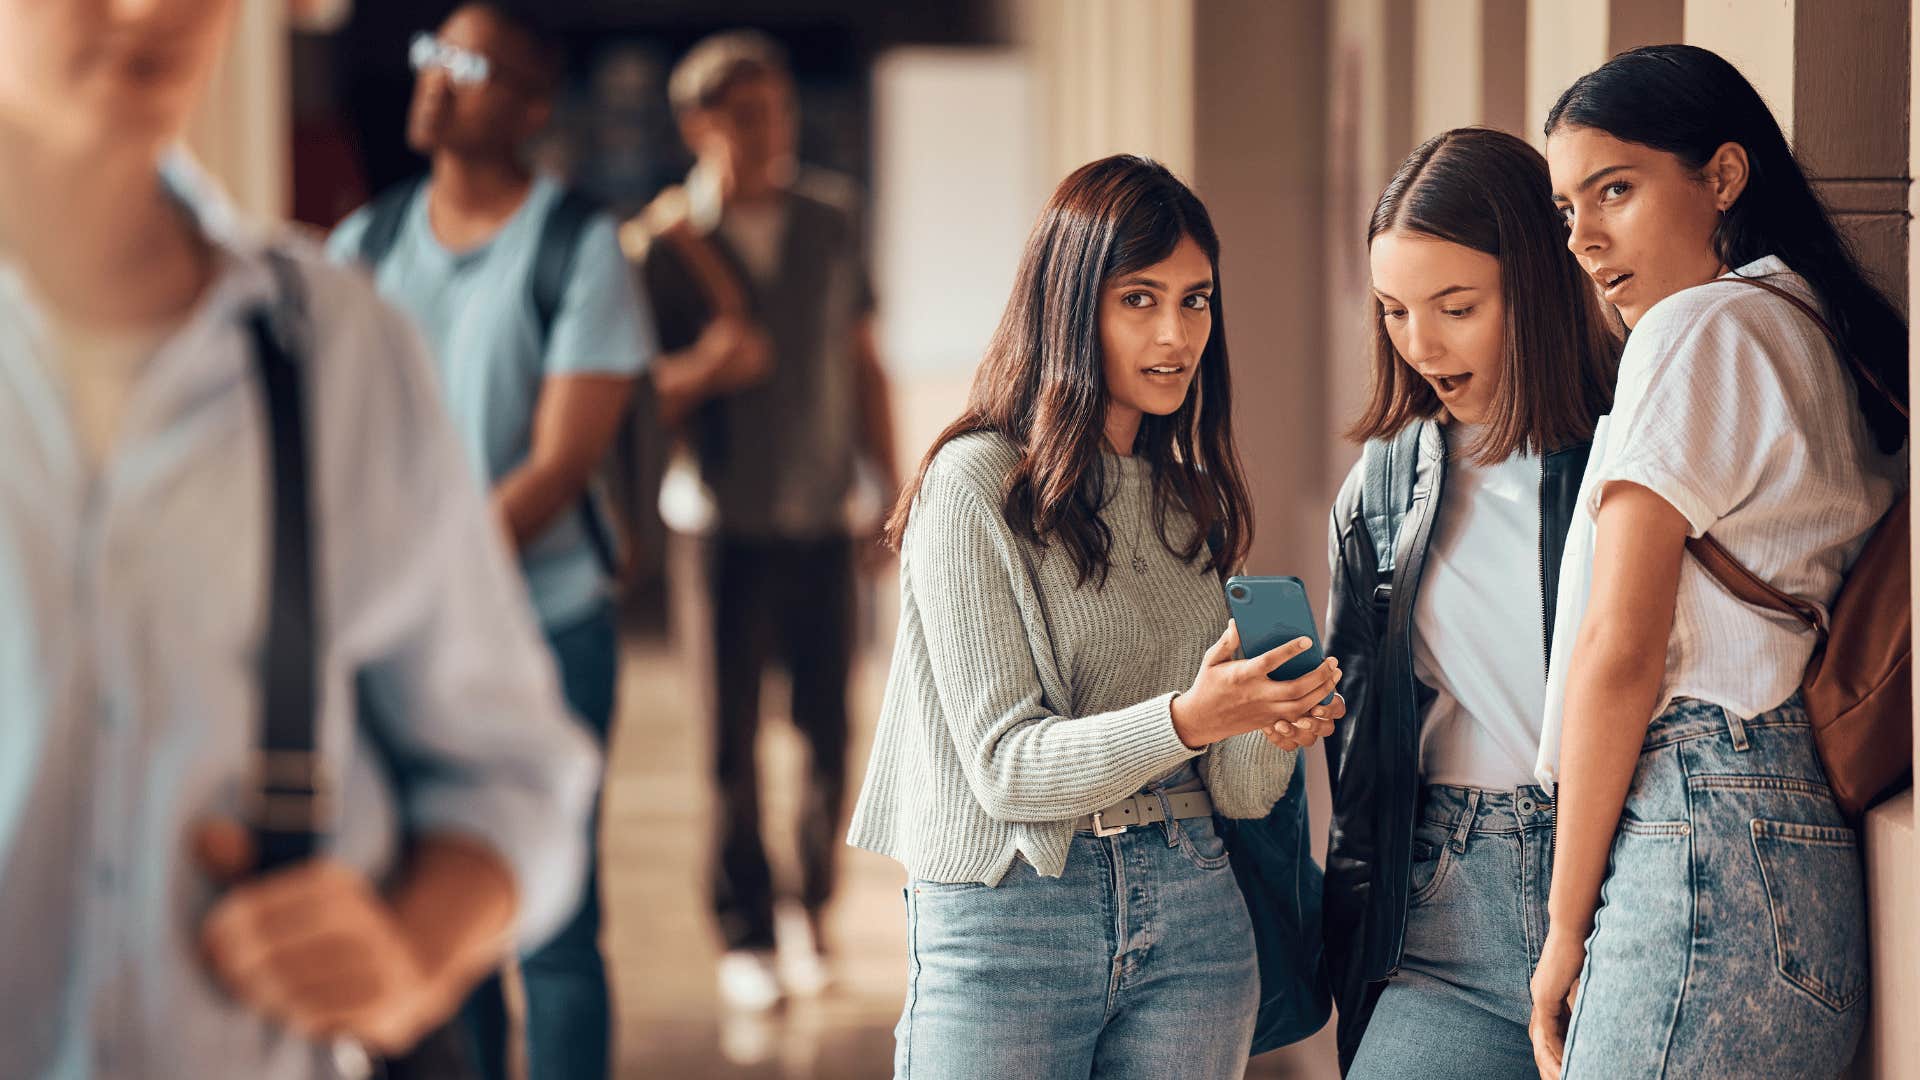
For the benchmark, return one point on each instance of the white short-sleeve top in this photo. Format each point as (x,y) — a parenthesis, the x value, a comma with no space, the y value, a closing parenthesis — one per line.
(1733,406)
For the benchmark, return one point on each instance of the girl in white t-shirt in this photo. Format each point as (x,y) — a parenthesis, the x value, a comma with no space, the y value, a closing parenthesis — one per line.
(1731,940)
(1491,361)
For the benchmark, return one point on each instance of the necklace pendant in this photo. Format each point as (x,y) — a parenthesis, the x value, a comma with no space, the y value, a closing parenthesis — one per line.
(1139,563)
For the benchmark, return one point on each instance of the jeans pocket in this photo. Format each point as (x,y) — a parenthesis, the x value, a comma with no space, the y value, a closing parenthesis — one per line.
(1815,897)
(1202,843)
(1432,857)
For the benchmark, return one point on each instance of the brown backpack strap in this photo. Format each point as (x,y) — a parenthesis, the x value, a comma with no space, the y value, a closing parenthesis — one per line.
(668,219)
(1832,338)
(1747,586)
(1743,583)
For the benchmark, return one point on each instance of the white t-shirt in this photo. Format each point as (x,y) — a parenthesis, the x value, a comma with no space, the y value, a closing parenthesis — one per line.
(1479,639)
(1732,406)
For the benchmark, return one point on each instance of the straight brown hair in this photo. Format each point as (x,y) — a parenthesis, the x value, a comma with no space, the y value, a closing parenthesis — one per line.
(1042,386)
(1489,191)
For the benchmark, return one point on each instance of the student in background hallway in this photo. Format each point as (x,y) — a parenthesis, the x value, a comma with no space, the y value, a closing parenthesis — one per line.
(756,271)
(140,514)
(538,335)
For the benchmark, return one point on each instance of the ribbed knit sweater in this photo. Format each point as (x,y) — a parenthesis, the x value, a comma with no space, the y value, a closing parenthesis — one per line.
(1019,700)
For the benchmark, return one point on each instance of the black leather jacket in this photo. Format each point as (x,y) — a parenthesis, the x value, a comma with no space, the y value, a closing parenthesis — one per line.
(1373,755)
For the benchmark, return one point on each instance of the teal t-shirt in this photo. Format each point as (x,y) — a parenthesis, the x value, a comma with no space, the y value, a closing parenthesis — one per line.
(475,308)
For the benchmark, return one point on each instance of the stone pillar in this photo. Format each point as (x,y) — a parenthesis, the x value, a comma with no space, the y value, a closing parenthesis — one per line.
(241,131)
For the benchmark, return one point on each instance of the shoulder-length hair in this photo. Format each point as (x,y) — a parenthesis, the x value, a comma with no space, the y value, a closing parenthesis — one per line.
(1042,386)
(1489,191)
(1686,101)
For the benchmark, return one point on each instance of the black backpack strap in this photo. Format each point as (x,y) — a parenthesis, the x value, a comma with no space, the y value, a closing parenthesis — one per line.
(291,796)
(385,217)
(553,263)
(554,258)
(1390,467)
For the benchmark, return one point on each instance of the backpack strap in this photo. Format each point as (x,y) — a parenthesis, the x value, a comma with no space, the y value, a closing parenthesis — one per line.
(385,217)
(1744,584)
(1386,493)
(291,794)
(554,257)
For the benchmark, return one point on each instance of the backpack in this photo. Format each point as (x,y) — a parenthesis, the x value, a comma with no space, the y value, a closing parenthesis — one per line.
(555,253)
(1858,687)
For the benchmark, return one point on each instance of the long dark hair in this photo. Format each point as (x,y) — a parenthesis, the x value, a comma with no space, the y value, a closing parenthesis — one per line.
(1489,191)
(1688,102)
(1042,385)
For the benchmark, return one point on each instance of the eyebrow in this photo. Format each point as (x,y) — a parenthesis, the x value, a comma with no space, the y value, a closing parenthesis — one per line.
(1198,286)
(1448,291)
(1594,179)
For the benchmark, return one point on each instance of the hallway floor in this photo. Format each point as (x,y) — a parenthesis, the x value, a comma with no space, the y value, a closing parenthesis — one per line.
(661,942)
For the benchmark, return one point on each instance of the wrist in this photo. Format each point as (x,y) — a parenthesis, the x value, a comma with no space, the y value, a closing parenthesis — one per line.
(1181,710)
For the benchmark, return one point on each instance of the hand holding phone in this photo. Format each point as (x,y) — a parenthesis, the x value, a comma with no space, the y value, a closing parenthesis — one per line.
(1285,690)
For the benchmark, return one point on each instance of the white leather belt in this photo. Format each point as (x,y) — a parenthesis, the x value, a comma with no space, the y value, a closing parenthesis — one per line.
(1143,810)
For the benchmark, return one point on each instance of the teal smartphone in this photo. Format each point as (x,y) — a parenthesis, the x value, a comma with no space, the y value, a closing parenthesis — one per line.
(1270,612)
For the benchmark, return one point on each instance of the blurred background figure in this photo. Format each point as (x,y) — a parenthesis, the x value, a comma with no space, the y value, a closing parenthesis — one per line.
(757,272)
(955,117)
(285,769)
(538,335)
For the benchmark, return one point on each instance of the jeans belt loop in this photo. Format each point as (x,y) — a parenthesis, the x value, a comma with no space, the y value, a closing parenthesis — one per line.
(1172,823)
(1465,825)
(1737,728)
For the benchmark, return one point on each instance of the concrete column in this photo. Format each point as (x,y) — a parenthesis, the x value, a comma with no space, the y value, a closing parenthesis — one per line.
(1469,65)
(241,132)
(1117,76)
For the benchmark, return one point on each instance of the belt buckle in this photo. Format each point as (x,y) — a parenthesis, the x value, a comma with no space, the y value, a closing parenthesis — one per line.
(1101,828)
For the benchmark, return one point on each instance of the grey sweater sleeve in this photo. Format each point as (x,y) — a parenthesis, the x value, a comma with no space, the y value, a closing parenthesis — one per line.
(987,646)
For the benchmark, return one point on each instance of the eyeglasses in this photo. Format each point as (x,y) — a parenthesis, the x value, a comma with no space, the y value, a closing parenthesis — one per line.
(464,67)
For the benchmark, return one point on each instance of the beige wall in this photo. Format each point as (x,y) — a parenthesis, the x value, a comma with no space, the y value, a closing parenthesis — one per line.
(241,131)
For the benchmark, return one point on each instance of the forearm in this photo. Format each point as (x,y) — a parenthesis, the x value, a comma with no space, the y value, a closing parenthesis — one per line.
(456,906)
(876,425)
(681,382)
(531,498)
(1612,688)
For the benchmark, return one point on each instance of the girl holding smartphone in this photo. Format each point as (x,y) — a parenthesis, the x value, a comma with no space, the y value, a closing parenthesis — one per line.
(1491,363)
(1731,939)
(1064,716)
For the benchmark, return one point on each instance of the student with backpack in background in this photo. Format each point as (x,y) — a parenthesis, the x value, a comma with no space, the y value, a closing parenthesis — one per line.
(757,271)
(1757,432)
(539,334)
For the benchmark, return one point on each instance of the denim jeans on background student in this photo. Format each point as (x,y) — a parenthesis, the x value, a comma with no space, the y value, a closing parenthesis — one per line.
(1732,933)
(568,1012)
(1136,963)
(1476,920)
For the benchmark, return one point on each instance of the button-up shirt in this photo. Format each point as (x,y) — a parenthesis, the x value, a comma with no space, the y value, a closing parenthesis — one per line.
(133,604)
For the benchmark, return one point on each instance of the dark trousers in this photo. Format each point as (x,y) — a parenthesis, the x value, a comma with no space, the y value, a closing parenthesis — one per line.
(791,602)
(569,1020)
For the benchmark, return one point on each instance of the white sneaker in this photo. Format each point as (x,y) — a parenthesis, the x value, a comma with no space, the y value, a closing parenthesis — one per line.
(803,969)
(748,981)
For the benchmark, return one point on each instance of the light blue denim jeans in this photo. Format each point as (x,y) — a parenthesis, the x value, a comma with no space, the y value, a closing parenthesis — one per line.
(1732,933)
(1137,962)
(1476,919)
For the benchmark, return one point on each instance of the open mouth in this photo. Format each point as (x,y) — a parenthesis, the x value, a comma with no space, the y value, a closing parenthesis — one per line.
(1165,371)
(1612,280)
(1452,384)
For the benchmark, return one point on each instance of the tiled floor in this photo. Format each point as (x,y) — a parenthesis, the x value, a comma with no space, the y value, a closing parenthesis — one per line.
(662,943)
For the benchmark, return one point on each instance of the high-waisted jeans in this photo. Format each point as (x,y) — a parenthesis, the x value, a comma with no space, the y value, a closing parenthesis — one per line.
(1137,962)
(1731,938)
(1457,1006)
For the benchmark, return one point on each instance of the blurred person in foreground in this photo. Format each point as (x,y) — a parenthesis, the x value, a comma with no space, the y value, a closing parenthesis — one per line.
(142,326)
(756,271)
(537,334)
